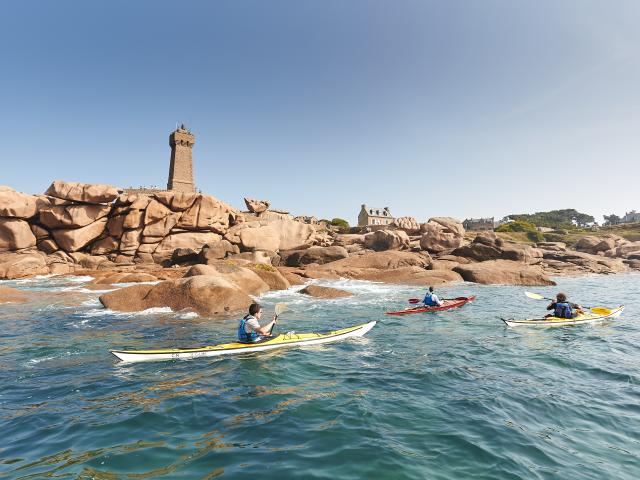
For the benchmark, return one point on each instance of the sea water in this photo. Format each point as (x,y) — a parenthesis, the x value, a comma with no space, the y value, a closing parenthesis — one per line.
(445,395)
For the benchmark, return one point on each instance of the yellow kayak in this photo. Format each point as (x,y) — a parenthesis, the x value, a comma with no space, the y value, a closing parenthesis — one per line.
(290,339)
(597,314)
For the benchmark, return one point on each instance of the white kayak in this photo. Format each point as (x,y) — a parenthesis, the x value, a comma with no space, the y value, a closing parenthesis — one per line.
(290,339)
(595,315)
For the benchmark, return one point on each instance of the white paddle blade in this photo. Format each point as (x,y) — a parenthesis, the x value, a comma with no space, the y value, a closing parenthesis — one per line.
(280,307)
(535,296)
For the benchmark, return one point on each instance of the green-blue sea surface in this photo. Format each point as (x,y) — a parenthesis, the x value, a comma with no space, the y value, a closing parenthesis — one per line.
(450,395)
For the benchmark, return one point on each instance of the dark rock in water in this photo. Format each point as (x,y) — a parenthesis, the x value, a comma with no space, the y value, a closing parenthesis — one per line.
(324,292)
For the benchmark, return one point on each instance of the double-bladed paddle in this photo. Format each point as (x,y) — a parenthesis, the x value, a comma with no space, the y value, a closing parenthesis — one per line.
(280,307)
(597,310)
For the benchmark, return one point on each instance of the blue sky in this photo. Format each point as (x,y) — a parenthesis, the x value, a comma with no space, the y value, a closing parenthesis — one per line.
(461,108)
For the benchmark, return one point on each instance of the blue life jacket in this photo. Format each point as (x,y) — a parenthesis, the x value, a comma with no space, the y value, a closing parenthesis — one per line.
(428,300)
(245,337)
(563,310)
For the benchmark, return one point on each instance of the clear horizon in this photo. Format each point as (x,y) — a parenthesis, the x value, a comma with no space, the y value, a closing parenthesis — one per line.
(430,108)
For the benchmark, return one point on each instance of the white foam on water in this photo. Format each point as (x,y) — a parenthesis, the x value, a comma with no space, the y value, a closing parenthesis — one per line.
(79,278)
(188,315)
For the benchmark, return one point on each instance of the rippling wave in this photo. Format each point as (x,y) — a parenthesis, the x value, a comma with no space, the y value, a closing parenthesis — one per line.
(448,395)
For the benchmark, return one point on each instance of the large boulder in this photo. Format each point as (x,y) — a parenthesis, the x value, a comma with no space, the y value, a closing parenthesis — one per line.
(208,214)
(478,251)
(440,234)
(408,224)
(193,240)
(256,206)
(205,294)
(503,272)
(273,235)
(177,201)
(20,265)
(82,192)
(271,276)
(346,239)
(381,240)
(72,216)
(73,239)
(627,249)
(324,292)
(15,234)
(17,204)
(247,280)
(217,251)
(319,255)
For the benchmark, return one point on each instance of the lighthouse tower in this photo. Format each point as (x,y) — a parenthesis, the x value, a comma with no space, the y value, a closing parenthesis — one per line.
(181,167)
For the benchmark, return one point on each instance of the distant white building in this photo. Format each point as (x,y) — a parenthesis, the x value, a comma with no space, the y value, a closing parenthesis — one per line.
(374,216)
(631,216)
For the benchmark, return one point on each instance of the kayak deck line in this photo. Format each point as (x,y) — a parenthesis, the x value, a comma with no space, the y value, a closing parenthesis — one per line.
(288,339)
(559,322)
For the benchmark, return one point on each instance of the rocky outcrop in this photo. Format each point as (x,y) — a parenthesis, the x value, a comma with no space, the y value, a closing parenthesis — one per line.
(440,234)
(572,263)
(217,251)
(271,276)
(15,234)
(82,192)
(408,224)
(487,246)
(72,216)
(319,255)
(381,240)
(256,206)
(16,204)
(73,239)
(324,292)
(503,272)
(21,265)
(273,235)
(592,244)
(207,295)
(245,279)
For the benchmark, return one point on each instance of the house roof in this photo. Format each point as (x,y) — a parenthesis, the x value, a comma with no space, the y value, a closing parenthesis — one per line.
(371,211)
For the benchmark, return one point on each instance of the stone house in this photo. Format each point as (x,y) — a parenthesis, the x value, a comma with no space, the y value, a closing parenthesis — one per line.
(478,224)
(374,216)
(631,216)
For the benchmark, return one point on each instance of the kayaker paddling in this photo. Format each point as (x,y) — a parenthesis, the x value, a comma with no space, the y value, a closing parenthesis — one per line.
(431,299)
(564,309)
(249,329)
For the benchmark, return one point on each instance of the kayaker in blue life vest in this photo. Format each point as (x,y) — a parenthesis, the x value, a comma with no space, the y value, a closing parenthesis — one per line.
(249,329)
(564,309)
(431,299)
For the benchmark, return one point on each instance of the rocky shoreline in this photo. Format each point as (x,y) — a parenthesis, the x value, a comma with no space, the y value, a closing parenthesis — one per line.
(204,255)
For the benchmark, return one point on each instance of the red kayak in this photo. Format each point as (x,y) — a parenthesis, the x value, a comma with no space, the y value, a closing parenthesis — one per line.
(447,304)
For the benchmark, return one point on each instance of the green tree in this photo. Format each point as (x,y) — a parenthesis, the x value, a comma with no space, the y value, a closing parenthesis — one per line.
(341,223)
(612,219)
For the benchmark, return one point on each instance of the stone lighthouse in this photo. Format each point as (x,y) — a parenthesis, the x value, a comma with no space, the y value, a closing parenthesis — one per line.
(181,168)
